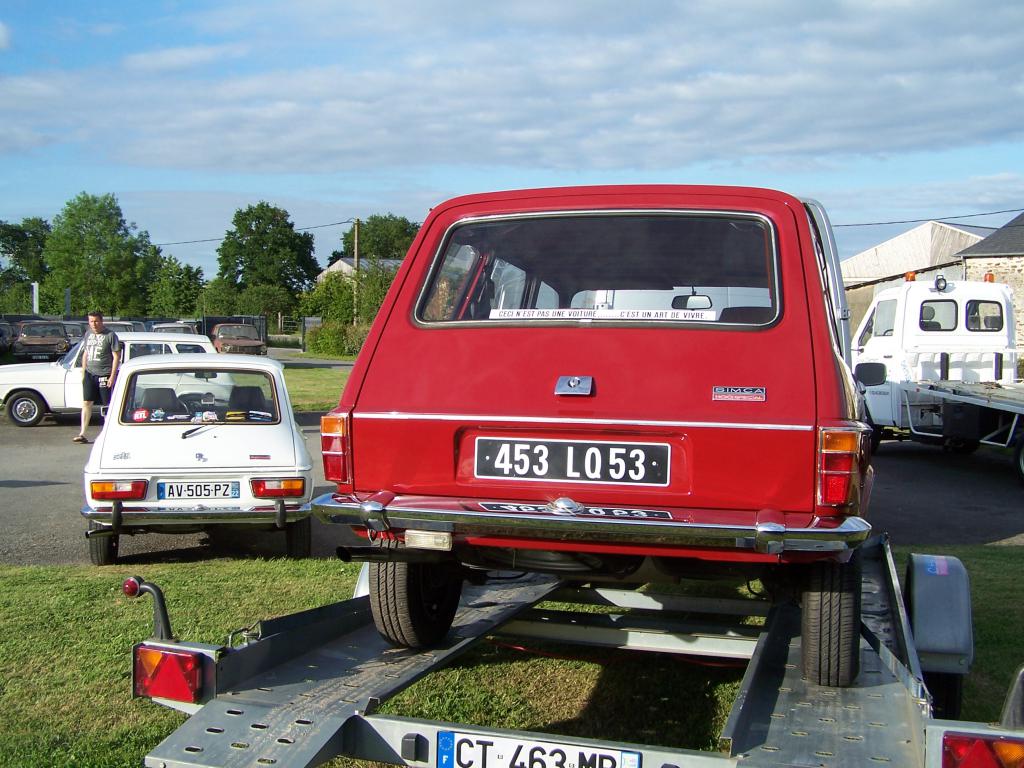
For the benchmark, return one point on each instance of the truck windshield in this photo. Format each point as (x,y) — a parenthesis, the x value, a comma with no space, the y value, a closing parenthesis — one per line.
(619,267)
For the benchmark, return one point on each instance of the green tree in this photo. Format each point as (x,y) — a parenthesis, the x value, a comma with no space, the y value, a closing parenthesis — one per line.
(107,263)
(381,236)
(218,297)
(266,300)
(263,248)
(21,247)
(331,299)
(176,288)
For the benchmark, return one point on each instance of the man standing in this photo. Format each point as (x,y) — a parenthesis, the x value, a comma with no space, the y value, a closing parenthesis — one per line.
(102,357)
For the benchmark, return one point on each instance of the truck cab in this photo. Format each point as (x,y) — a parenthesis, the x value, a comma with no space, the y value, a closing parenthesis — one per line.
(930,331)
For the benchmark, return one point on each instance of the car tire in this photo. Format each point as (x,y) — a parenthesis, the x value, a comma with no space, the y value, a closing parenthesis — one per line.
(25,409)
(102,549)
(298,538)
(830,629)
(414,604)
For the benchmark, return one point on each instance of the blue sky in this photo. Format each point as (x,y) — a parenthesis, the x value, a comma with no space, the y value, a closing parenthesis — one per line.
(187,111)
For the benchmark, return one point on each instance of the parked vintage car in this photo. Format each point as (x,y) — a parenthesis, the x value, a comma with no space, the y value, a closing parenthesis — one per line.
(637,384)
(194,441)
(174,328)
(75,329)
(41,340)
(32,390)
(238,338)
(124,326)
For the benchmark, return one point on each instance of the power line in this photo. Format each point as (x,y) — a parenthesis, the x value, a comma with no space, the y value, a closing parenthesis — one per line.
(218,239)
(933,218)
(834,226)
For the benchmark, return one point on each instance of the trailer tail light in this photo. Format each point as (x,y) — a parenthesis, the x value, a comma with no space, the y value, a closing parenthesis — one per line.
(289,487)
(336,447)
(112,490)
(165,674)
(971,750)
(839,466)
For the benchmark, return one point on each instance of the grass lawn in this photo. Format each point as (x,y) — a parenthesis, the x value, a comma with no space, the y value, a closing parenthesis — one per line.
(67,632)
(315,389)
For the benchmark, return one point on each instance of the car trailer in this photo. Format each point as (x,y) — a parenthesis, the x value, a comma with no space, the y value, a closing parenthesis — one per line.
(303,688)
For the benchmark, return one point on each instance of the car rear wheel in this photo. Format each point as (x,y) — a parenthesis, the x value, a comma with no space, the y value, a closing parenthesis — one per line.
(102,549)
(25,409)
(830,631)
(298,538)
(413,604)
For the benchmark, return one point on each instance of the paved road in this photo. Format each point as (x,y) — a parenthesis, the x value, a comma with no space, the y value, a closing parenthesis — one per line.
(922,497)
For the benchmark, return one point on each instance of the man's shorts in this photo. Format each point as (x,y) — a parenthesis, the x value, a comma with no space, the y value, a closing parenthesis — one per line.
(95,389)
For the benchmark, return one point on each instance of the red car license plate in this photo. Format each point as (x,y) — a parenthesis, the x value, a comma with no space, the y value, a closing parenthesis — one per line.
(573,461)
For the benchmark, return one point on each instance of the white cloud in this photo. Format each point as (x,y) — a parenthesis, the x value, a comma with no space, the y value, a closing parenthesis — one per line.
(5,37)
(169,59)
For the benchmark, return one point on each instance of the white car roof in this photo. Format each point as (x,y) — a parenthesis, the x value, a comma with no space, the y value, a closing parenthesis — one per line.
(163,338)
(219,361)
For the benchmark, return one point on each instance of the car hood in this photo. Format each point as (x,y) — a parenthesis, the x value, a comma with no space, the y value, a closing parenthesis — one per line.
(208,448)
(27,373)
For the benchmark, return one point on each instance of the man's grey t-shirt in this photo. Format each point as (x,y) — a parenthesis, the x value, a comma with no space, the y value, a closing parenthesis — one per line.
(99,351)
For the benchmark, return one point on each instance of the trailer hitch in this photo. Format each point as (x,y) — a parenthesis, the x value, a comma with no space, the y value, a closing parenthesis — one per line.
(134,586)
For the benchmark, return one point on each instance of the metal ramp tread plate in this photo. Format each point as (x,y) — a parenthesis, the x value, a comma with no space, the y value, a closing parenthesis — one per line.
(293,714)
(786,721)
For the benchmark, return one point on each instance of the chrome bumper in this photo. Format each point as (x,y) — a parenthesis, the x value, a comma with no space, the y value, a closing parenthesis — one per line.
(768,535)
(118,517)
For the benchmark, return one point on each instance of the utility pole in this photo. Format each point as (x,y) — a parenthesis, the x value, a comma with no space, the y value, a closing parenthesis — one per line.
(355,268)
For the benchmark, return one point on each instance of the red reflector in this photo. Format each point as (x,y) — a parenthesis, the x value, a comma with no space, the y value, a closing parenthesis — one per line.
(166,674)
(835,489)
(964,750)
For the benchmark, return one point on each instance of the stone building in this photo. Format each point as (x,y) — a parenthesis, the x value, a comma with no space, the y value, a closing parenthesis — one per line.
(1001,254)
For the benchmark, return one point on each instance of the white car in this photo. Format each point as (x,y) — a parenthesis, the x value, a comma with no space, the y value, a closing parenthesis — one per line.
(194,441)
(31,390)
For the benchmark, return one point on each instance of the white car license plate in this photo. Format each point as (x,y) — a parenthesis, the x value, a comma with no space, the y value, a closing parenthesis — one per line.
(468,750)
(208,490)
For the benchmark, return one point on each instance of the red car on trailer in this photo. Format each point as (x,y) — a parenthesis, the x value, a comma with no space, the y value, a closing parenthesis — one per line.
(639,384)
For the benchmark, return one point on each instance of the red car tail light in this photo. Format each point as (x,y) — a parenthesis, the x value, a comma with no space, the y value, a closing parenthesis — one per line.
(336,447)
(166,674)
(839,459)
(272,488)
(111,490)
(968,750)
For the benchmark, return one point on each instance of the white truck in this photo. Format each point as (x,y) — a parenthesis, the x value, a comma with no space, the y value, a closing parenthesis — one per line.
(938,360)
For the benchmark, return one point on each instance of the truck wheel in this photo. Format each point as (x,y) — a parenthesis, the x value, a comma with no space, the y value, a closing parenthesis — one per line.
(102,549)
(413,604)
(26,409)
(298,538)
(830,630)
(1018,459)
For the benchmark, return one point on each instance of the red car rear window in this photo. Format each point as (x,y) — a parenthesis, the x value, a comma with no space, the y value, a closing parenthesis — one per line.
(612,267)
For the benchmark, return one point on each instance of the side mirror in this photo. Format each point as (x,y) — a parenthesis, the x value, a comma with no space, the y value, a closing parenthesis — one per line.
(870,374)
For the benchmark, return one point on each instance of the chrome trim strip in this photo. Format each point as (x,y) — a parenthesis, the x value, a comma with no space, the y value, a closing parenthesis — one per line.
(473,417)
(184,516)
(767,538)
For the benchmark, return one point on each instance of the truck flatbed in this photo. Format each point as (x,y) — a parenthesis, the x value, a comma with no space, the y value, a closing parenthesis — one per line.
(306,687)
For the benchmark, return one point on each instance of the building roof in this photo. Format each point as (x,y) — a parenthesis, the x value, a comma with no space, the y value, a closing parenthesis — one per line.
(347,266)
(1008,240)
(930,244)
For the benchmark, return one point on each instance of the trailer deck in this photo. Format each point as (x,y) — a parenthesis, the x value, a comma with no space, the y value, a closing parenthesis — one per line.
(306,687)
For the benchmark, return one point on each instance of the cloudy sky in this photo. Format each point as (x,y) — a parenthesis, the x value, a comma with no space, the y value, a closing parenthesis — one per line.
(186,111)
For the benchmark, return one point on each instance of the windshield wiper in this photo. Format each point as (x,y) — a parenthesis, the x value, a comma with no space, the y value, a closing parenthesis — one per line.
(189,432)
